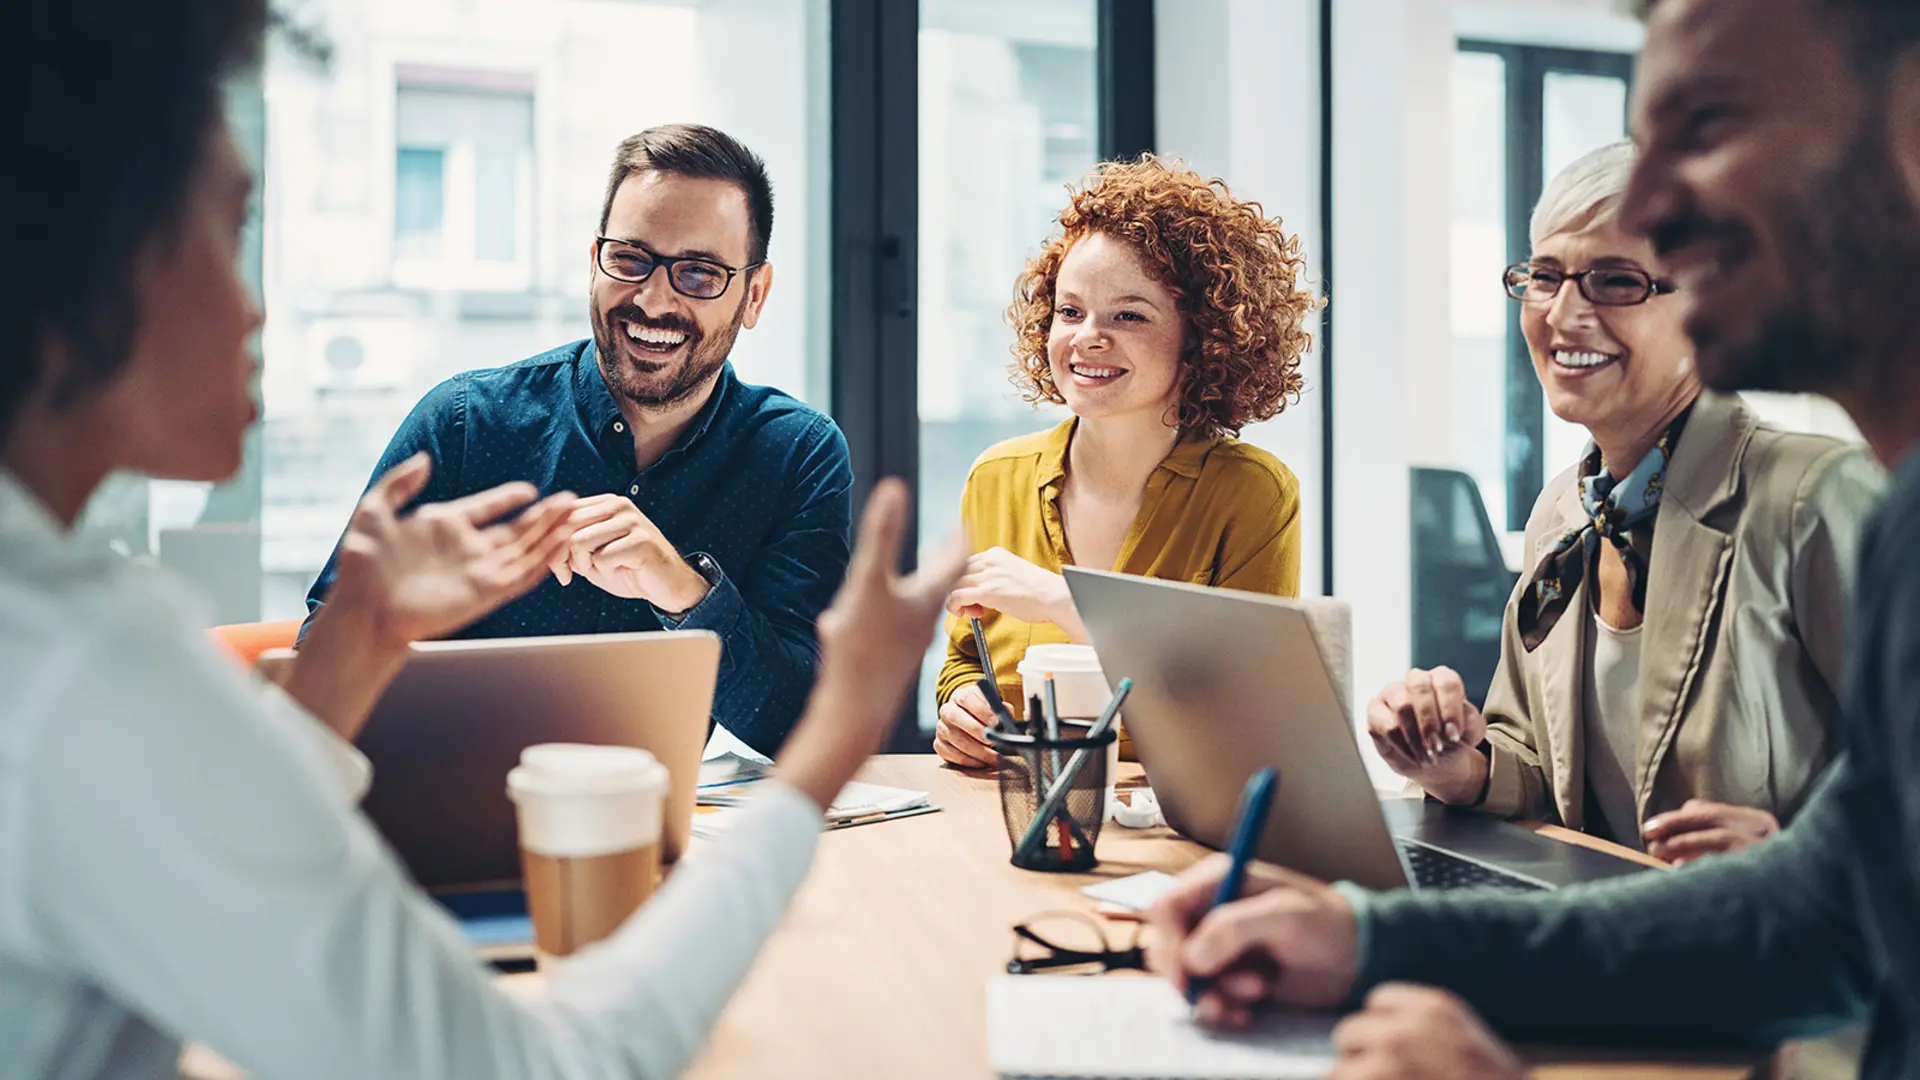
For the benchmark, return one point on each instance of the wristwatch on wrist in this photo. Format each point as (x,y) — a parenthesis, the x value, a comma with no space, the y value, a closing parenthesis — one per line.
(703,562)
(703,565)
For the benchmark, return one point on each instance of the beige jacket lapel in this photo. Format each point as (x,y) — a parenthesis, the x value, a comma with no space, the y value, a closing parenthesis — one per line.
(1561,662)
(1687,574)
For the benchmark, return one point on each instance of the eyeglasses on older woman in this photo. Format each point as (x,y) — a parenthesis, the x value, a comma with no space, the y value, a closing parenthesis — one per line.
(1608,286)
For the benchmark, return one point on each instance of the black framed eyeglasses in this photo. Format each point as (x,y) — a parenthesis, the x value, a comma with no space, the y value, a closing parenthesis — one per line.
(701,279)
(1067,943)
(1608,286)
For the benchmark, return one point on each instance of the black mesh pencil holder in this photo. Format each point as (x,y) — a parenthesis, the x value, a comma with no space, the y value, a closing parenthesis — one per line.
(1030,765)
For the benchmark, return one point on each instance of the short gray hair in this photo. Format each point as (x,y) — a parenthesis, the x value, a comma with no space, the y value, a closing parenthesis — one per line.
(1584,192)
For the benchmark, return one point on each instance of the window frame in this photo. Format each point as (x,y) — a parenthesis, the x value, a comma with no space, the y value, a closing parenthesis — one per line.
(1527,69)
(873,58)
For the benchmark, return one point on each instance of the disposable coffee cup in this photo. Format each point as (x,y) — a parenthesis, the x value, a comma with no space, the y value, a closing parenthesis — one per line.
(1080,689)
(590,832)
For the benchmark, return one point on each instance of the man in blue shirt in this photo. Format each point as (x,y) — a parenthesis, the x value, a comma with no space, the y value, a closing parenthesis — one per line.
(704,502)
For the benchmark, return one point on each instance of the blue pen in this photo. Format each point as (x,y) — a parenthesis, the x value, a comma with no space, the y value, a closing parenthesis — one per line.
(1256,799)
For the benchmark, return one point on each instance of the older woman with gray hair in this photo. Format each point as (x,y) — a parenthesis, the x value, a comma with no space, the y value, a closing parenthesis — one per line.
(1669,670)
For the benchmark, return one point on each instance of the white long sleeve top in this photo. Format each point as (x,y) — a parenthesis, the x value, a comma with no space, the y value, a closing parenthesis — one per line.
(182,857)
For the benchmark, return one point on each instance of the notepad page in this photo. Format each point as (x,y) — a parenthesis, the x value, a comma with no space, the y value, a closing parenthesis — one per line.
(1137,892)
(1136,1028)
(859,798)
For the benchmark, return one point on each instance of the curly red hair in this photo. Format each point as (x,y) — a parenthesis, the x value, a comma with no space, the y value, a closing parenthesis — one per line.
(1235,273)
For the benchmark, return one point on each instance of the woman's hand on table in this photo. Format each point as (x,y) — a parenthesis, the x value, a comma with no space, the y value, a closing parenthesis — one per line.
(1408,1032)
(1289,939)
(872,640)
(1701,828)
(1427,731)
(961,736)
(998,580)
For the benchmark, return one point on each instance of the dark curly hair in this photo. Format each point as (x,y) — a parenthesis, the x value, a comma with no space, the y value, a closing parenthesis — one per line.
(1235,273)
(108,106)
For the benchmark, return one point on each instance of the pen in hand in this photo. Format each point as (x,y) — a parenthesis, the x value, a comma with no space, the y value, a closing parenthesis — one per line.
(1256,800)
(1002,716)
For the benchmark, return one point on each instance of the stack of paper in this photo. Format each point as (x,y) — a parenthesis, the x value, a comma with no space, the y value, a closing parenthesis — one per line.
(728,769)
(858,804)
(861,801)
(729,794)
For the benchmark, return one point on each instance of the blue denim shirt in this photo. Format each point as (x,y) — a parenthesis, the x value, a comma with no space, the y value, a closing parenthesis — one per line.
(759,482)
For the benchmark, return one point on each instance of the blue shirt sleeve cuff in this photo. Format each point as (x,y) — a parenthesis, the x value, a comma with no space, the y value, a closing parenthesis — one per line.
(1361,901)
(717,611)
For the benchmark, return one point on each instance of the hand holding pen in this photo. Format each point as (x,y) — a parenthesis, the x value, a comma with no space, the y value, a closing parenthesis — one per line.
(960,737)
(1288,940)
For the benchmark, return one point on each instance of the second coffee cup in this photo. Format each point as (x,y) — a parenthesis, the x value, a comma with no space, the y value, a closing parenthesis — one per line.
(590,829)
(1079,687)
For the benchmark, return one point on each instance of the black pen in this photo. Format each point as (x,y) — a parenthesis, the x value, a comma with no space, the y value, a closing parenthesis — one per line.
(1003,716)
(986,658)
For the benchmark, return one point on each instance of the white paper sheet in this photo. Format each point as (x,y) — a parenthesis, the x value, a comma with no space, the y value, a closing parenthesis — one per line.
(1137,1028)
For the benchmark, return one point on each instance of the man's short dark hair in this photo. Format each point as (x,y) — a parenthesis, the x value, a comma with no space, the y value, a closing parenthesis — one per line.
(108,106)
(1877,31)
(703,153)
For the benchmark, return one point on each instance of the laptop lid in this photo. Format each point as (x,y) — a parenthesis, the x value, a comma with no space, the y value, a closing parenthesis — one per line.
(444,736)
(1225,682)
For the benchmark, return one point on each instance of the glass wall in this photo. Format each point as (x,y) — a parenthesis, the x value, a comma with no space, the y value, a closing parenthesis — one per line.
(1007,121)
(1579,112)
(1478,309)
(1520,114)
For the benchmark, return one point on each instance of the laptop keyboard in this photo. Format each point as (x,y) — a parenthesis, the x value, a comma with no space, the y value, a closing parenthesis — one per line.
(1432,868)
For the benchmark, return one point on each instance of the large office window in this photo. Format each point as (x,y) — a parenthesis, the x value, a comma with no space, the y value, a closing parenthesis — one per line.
(433,181)
(1007,121)
(1555,105)
(1520,115)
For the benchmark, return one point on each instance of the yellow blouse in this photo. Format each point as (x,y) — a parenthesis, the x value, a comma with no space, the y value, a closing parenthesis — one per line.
(1217,512)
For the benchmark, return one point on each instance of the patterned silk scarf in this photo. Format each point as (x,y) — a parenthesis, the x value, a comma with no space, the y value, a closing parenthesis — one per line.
(1619,512)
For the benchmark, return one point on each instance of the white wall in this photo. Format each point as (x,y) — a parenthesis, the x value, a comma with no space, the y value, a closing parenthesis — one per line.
(1391,212)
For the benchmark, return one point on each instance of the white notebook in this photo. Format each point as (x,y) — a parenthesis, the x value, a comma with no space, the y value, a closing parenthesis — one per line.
(1118,1027)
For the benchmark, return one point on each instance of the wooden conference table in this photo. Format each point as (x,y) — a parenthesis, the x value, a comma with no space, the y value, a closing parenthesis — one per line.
(881,967)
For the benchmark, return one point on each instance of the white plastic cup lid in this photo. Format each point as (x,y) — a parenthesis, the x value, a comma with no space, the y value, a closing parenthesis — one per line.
(578,800)
(580,769)
(1060,660)
(1079,686)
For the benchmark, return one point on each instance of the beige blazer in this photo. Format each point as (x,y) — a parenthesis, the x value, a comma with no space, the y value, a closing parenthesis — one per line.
(1748,584)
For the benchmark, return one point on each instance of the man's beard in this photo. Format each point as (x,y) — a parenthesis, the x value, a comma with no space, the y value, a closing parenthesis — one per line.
(658,390)
(1851,243)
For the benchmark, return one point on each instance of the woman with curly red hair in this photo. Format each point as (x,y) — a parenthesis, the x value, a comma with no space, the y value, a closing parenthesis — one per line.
(1166,315)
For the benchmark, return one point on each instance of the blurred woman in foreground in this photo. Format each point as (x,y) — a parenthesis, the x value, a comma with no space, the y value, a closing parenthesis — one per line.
(180,850)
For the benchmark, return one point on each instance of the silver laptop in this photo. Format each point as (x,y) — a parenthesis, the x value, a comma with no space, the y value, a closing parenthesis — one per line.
(1225,682)
(451,726)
